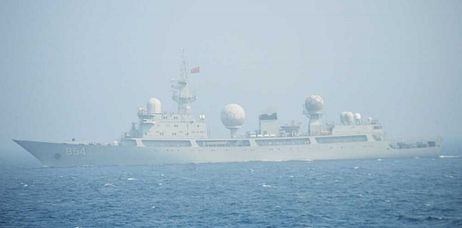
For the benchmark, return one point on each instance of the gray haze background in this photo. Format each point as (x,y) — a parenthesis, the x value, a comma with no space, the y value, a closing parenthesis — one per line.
(81,68)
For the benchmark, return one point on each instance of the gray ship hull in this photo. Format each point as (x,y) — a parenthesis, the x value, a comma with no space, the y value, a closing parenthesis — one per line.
(73,154)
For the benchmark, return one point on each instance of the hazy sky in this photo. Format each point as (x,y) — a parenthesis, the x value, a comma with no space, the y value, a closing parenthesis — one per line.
(81,68)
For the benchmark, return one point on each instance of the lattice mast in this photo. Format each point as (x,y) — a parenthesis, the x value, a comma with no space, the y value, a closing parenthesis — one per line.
(181,91)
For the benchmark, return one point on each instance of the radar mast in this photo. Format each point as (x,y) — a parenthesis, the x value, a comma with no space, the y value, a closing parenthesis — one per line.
(181,93)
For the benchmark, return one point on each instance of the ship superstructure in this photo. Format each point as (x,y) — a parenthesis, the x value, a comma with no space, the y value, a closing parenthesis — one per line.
(180,137)
(155,124)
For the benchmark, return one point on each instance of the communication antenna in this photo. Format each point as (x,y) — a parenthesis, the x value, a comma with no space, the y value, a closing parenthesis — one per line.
(182,94)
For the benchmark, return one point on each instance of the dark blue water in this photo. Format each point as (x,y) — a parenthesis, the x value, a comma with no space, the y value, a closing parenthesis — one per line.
(371,193)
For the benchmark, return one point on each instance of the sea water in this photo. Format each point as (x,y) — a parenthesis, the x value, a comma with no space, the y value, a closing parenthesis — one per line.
(352,193)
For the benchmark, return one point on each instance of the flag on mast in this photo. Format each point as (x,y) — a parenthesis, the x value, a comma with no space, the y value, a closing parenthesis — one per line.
(196,70)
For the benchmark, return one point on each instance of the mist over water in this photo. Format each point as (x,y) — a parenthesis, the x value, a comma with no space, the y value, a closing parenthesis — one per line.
(80,69)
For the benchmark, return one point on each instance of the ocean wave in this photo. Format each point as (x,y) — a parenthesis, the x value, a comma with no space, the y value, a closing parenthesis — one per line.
(449,156)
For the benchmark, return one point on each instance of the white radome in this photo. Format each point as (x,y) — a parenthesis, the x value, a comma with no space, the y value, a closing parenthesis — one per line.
(314,103)
(347,118)
(153,106)
(358,118)
(233,116)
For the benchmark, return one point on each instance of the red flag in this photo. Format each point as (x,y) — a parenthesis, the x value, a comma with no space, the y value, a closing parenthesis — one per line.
(196,70)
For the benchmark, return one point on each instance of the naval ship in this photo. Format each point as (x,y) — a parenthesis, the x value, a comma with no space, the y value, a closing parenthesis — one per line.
(180,137)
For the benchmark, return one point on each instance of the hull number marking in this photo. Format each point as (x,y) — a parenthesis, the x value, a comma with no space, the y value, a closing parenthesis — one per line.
(76,151)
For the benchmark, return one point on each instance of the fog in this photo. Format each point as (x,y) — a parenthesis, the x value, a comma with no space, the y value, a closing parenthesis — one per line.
(80,69)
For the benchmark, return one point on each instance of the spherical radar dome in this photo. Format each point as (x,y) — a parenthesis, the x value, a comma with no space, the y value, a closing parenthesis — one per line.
(347,118)
(153,106)
(314,103)
(233,116)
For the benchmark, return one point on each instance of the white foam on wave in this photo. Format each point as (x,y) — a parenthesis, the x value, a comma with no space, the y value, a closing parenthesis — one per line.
(449,156)
(131,179)
(266,186)
(109,185)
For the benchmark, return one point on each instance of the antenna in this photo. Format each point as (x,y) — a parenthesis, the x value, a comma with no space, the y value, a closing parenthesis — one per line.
(181,94)
(184,66)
